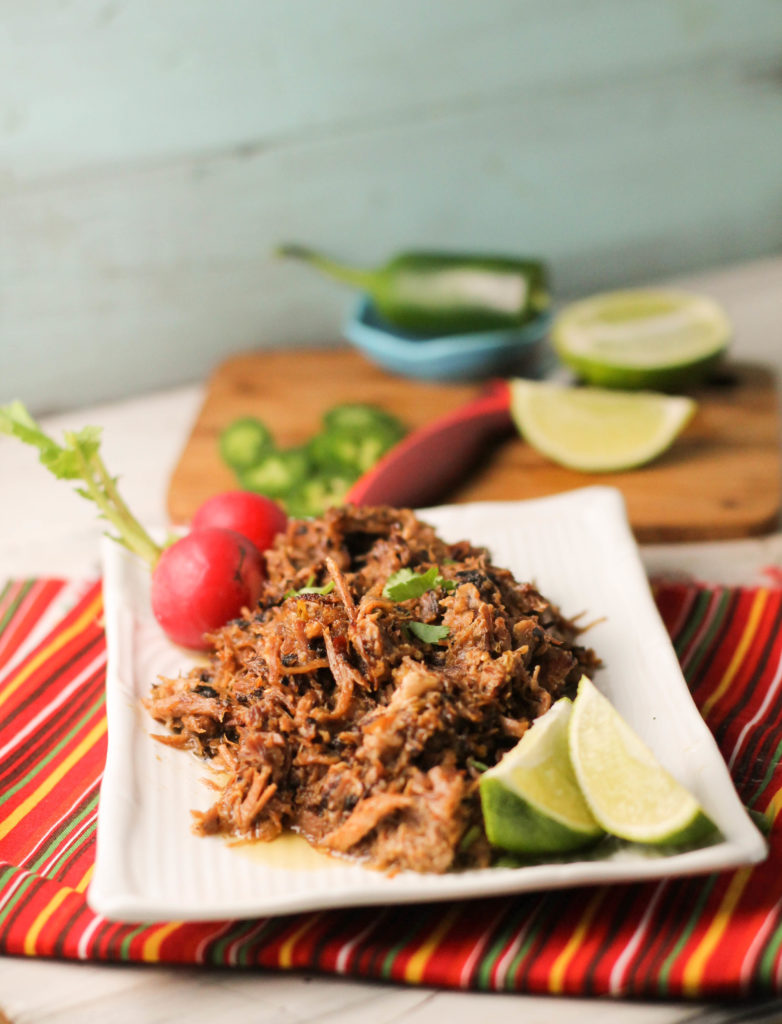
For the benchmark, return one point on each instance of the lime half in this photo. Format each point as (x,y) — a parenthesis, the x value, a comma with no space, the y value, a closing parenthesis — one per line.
(595,429)
(530,799)
(651,338)
(626,788)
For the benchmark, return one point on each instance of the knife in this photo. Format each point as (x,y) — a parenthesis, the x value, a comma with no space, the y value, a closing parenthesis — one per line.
(422,466)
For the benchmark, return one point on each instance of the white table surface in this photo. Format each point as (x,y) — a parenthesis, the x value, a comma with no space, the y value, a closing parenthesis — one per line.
(44,529)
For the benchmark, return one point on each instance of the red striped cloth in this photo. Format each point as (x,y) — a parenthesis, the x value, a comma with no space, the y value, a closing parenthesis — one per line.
(688,937)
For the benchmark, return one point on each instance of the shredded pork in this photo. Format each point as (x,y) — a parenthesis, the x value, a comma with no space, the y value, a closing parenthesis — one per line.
(327,714)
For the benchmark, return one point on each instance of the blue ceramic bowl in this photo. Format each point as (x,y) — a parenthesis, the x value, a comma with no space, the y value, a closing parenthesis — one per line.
(449,357)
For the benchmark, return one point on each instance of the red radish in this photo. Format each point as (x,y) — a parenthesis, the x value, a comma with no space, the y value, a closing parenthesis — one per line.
(203,581)
(258,518)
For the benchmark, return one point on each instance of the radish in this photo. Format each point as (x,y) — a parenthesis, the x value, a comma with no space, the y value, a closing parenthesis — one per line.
(203,581)
(200,581)
(254,516)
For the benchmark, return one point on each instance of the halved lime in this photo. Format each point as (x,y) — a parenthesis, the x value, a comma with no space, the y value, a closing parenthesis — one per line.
(648,338)
(594,429)
(530,799)
(627,789)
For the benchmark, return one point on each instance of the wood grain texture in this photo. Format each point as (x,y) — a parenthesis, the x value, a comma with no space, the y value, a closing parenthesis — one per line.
(151,156)
(720,480)
(112,83)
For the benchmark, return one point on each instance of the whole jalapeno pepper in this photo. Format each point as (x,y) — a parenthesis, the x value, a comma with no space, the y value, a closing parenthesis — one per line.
(434,293)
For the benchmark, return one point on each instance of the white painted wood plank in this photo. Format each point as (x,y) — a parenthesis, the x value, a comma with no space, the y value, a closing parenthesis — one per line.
(126,994)
(97,82)
(467,1008)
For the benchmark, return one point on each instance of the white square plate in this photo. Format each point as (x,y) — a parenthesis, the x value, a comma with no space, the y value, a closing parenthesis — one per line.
(578,549)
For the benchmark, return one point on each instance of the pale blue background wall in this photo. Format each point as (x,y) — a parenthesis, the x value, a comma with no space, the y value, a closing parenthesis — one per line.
(153,151)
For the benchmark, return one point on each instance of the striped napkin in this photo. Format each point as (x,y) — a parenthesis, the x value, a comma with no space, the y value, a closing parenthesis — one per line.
(716,935)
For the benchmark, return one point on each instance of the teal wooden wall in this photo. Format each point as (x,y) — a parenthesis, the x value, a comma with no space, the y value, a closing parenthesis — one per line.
(152,153)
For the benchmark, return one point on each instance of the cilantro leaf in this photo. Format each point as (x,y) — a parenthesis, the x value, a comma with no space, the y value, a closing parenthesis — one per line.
(429,634)
(325,589)
(407,583)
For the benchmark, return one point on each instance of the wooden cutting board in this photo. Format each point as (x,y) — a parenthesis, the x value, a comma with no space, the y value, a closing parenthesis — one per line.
(721,478)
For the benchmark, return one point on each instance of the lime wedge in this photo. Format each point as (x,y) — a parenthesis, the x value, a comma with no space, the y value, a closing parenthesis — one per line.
(650,338)
(626,788)
(594,429)
(530,799)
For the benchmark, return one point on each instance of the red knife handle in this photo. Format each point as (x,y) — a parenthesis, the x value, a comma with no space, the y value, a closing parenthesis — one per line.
(435,457)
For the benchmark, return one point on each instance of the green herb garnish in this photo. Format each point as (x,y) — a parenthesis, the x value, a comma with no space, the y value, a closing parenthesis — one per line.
(428,633)
(78,459)
(407,583)
(309,589)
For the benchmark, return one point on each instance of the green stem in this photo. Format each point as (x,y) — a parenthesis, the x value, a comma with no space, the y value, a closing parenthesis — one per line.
(105,495)
(355,276)
(143,543)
